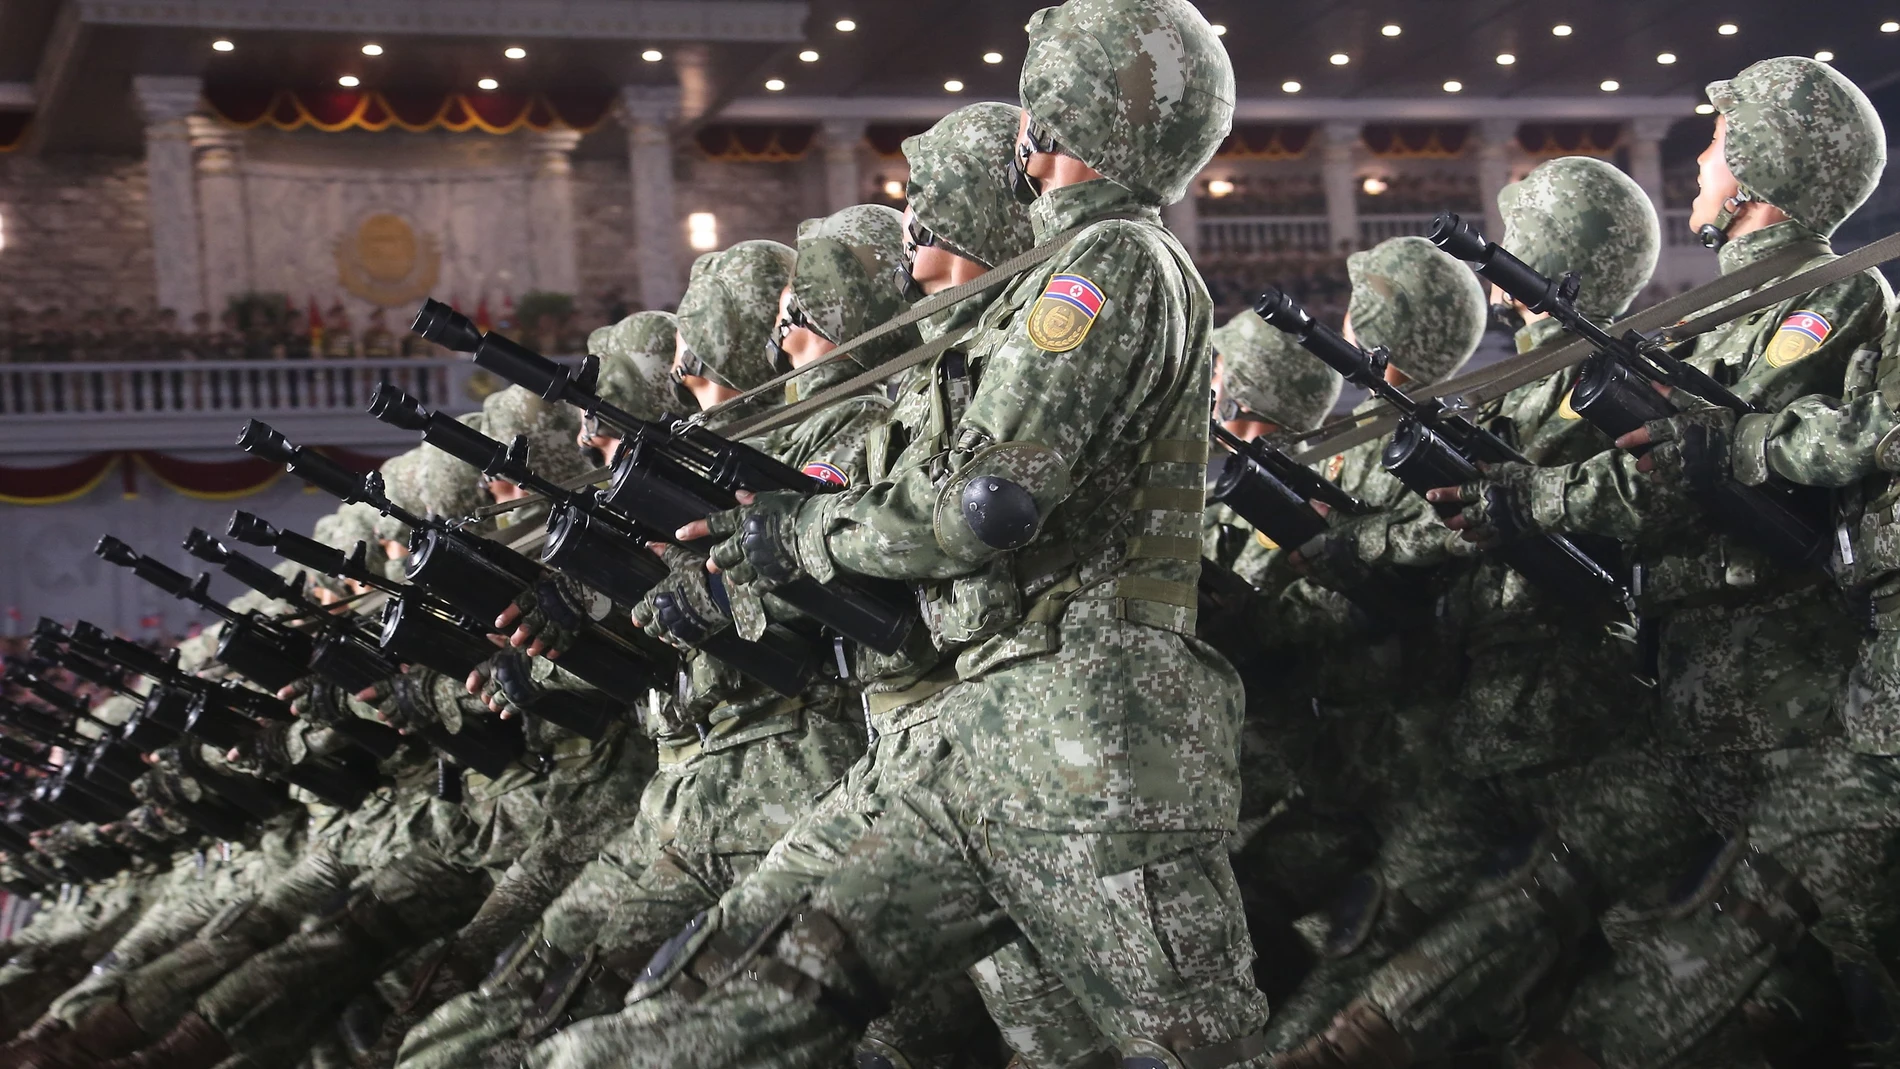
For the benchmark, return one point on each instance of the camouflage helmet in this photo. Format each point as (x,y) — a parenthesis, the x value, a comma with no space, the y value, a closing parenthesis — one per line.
(1140,90)
(549,427)
(636,355)
(347,526)
(1268,374)
(1421,304)
(429,482)
(1579,213)
(1802,138)
(846,278)
(730,307)
(957,188)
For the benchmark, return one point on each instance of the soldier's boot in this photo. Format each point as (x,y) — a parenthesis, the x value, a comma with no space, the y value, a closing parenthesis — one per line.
(104,1032)
(1364,927)
(192,1044)
(1471,972)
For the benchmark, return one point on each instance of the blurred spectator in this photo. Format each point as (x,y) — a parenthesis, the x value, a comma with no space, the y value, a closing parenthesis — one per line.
(1259,195)
(339,338)
(378,342)
(1419,194)
(1317,278)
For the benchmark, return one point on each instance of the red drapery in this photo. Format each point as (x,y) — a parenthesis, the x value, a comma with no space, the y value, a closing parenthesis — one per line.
(332,110)
(1263,142)
(209,480)
(887,139)
(1430,141)
(1570,139)
(748,143)
(13,128)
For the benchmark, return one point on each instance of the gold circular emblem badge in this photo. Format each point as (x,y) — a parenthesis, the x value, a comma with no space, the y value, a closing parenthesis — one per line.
(386,247)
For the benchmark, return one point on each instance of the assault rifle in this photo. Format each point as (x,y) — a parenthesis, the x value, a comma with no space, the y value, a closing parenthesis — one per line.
(465,576)
(1616,392)
(1436,446)
(598,546)
(669,474)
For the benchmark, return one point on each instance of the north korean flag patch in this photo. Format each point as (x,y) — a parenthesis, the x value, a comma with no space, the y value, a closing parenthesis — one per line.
(1800,334)
(1062,316)
(826,473)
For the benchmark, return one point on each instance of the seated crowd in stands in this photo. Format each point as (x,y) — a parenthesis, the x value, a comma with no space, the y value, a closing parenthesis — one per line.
(1422,194)
(1318,276)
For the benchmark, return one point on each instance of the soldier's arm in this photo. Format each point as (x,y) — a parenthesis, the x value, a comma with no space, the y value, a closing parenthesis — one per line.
(1039,416)
(1790,365)
(1818,441)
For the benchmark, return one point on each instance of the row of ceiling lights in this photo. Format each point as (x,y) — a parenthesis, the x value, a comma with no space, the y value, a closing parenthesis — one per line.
(372,49)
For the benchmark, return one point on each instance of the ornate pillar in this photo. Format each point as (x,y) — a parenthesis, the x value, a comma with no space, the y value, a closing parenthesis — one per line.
(1184,218)
(840,142)
(1646,138)
(1495,138)
(172,195)
(222,212)
(1341,141)
(648,113)
(551,211)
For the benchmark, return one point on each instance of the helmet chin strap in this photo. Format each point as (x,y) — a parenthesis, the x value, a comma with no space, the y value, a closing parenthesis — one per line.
(1714,235)
(1024,185)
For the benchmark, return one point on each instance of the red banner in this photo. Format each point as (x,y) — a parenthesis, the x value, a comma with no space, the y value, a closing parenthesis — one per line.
(208,480)
(333,110)
(756,144)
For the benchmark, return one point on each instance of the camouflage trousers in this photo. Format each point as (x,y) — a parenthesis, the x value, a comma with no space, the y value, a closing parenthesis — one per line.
(703,821)
(1144,928)
(64,939)
(1819,854)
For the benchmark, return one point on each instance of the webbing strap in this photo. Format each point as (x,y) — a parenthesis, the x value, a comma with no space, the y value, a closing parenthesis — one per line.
(1501,378)
(1173,451)
(1164,547)
(1162,591)
(773,418)
(1168,499)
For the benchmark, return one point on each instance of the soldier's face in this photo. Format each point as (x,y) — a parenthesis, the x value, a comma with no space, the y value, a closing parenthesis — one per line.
(1242,423)
(705,391)
(1718,183)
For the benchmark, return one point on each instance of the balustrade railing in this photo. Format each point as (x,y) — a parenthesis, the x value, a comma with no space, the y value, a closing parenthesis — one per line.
(1675,228)
(249,387)
(1242,234)
(1376,228)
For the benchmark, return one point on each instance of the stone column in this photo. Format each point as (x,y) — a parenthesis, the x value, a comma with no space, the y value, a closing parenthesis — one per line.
(1646,138)
(551,211)
(1495,138)
(172,196)
(658,230)
(222,212)
(1184,218)
(841,141)
(1340,143)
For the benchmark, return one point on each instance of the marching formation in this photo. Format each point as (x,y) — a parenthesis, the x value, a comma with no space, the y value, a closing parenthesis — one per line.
(866,664)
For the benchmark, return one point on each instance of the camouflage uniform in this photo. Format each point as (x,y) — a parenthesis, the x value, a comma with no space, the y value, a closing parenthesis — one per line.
(1089,778)
(1812,855)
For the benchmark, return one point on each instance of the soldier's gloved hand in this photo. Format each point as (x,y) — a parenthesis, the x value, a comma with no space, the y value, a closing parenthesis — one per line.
(505,683)
(547,616)
(1694,448)
(682,609)
(1495,509)
(415,702)
(759,545)
(269,748)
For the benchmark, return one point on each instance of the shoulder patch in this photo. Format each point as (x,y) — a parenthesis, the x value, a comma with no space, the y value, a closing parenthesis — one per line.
(1062,316)
(1799,335)
(827,473)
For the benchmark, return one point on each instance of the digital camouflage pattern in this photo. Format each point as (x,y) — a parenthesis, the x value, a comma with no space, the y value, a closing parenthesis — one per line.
(1802,137)
(730,306)
(549,427)
(846,279)
(1582,214)
(636,358)
(958,187)
(430,482)
(1267,372)
(1422,305)
(1140,90)
(347,526)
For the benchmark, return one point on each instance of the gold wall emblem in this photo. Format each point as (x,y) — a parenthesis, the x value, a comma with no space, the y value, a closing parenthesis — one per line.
(386,262)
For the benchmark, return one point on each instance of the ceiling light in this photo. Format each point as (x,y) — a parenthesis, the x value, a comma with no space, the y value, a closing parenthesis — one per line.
(1220,187)
(1390,29)
(488,85)
(1705,109)
(1562,29)
(1454,86)
(349,81)
(515,52)
(1665,58)
(372,50)
(1505,59)
(222,45)
(1289,87)
(1609,85)
(808,56)
(846,25)
(893,189)
(1824,56)
(702,231)
(1339,59)
(775,85)
(992,57)
(953,86)
(1374,186)
(1728,29)
(1219,28)
(1890,27)
(653,55)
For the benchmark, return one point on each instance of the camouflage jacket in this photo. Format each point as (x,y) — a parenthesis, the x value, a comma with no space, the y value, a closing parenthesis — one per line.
(1750,658)
(1104,421)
